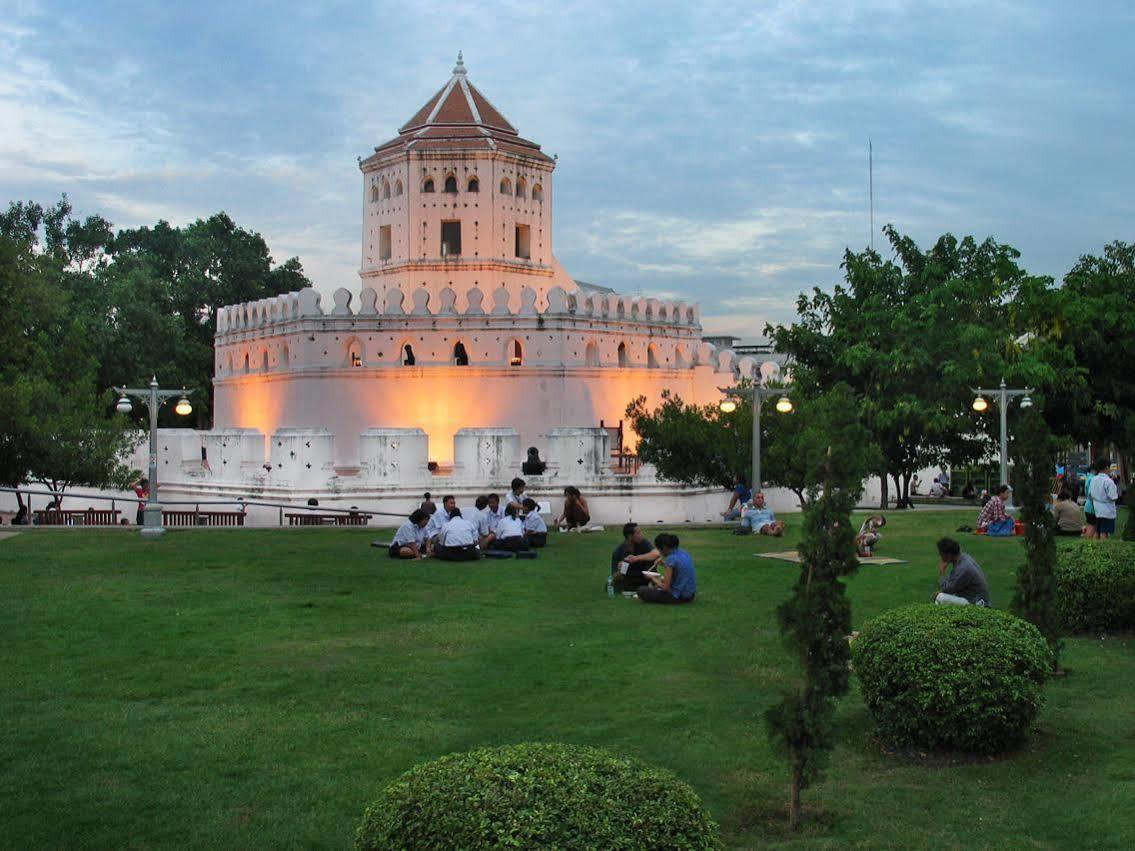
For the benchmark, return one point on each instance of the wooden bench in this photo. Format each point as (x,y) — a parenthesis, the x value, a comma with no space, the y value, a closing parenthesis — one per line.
(89,517)
(310,518)
(192,517)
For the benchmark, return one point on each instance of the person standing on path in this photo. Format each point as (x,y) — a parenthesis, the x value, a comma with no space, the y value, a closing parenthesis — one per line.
(1104,495)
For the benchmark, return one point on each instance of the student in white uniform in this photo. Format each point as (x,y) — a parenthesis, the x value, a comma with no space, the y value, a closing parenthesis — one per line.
(535,529)
(457,540)
(486,522)
(438,520)
(410,538)
(510,531)
(517,496)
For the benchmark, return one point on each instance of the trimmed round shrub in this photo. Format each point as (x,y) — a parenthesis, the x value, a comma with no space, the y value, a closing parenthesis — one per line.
(961,678)
(1095,585)
(537,796)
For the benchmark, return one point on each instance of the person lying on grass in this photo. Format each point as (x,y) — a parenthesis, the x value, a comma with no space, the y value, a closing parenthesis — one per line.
(760,519)
(679,582)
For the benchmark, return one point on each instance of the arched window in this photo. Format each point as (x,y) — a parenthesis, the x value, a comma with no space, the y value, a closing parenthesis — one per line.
(474,185)
(246,368)
(592,354)
(264,361)
(515,353)
(386,189)
(284,356)
(374,192)
(521,187)
(652,357)
(537,192)
(460,356)
(397,188)
(407,355)
(506,187)
(623,355)
(354,353)
(451,185)
(428,186)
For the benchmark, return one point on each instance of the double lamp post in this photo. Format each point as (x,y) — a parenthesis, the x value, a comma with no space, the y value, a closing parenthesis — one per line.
(758,393)
(154,397)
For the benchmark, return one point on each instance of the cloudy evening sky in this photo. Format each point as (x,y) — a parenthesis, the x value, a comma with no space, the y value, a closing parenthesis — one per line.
(712,151)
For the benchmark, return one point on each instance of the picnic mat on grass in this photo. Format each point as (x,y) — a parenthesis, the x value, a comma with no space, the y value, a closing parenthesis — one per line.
(792,555)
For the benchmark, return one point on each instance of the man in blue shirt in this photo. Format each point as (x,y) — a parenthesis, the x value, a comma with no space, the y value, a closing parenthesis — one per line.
(760,519)
(741,494)
(679,582)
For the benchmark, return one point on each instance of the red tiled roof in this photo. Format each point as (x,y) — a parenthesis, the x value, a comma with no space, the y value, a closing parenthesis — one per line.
(459,117)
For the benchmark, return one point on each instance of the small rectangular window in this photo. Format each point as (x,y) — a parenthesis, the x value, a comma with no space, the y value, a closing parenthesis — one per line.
(523,241)
(384,242)
(450,239)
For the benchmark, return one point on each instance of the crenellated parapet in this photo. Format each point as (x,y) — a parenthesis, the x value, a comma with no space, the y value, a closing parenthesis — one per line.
(473,301)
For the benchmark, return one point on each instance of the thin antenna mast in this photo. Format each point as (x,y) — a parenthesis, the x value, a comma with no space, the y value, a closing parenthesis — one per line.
(871,188)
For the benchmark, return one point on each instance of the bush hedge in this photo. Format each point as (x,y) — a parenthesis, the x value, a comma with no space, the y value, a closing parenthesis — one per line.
(1095,585)
(960,678)
(537,796)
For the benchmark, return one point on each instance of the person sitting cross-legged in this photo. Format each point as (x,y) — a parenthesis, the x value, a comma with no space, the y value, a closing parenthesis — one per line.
(631,557)
(992,518)
(457,540)
(679,581)
(409,540)
(535,529)
(760,519)
(965,583)
(510,531)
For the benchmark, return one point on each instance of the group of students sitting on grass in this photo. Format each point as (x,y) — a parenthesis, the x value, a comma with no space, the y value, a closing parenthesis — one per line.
(658,573)
(454,534)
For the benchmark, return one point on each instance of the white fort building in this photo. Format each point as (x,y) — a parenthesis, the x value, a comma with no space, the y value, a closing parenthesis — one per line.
(466,344)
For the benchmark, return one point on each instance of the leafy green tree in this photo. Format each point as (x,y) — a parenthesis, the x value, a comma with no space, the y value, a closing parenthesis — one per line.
(704,446)
(1035,597)
(1096,319)
(816,619)
(691,444)
(912,336)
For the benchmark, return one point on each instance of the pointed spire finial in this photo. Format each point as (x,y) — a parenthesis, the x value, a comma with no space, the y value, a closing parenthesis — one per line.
(459,68)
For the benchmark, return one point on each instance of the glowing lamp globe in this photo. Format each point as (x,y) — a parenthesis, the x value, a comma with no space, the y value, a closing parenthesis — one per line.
(980,405)
(728,406)
(784,405)
(183,407)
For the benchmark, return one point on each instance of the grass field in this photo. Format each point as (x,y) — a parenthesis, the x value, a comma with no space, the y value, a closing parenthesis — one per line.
(256,688)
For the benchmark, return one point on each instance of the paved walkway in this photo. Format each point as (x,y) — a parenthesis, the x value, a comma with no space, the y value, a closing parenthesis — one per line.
(4,535)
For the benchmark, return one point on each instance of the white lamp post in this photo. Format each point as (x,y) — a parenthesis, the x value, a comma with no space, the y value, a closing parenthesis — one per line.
(152,514)
(1002,394)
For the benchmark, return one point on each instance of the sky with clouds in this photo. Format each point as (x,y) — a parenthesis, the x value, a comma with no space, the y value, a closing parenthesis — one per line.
(712,151)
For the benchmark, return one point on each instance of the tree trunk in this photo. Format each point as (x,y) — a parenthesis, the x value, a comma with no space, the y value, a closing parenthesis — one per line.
(906,490)
(899,501)
(883,491)
(794,796)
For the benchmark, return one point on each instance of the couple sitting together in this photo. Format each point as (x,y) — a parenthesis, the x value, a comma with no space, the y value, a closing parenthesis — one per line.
(758,518)
(635,563)
(453,534)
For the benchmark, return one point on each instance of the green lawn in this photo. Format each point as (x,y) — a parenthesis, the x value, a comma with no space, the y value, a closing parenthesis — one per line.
(255,688)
